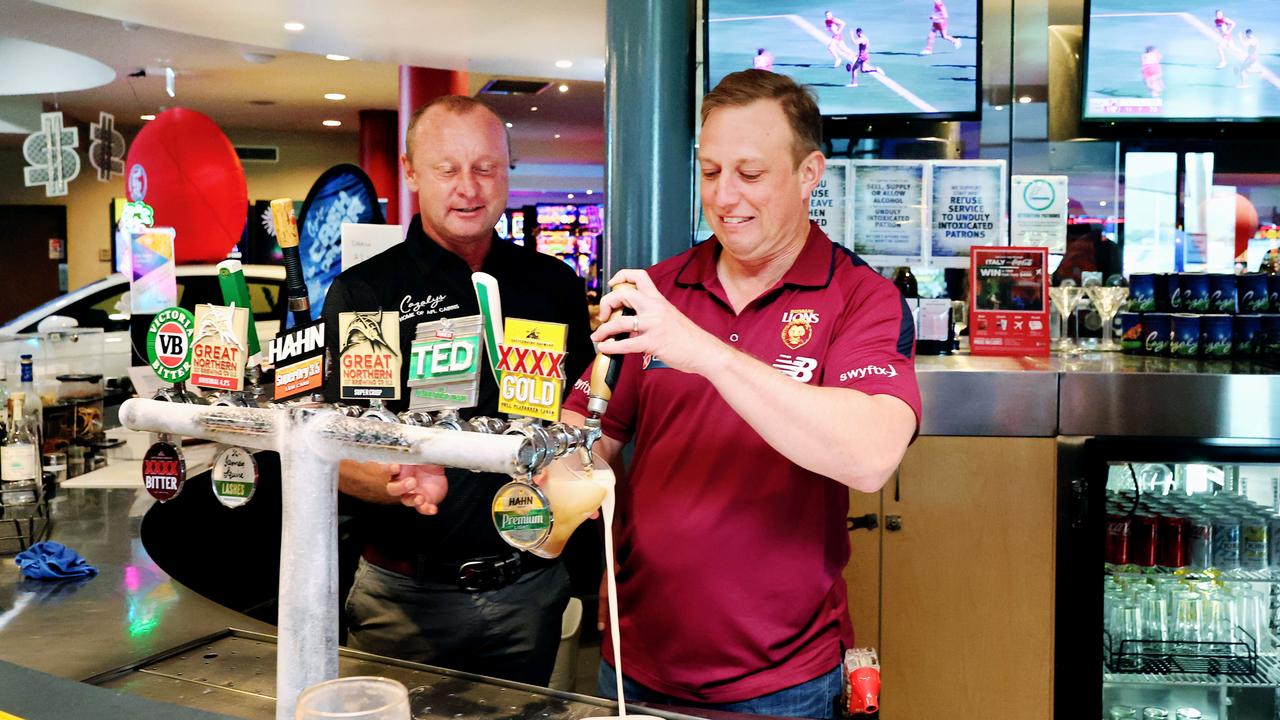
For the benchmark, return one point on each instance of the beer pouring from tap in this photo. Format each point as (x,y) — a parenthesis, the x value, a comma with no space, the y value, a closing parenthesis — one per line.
(604,377)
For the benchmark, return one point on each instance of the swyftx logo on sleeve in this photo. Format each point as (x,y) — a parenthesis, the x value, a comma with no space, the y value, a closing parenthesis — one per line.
(868,371)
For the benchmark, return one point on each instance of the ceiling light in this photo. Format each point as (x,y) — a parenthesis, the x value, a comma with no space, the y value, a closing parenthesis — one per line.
(294,26)
(589,192)
(334,96)
(146,117)
(533,109)
(336,57)
(557,136)
(564,64)
(332,123)
(998,108)
(1024,99)
(563,88)
(510,125)
(570,196)
(1103,203)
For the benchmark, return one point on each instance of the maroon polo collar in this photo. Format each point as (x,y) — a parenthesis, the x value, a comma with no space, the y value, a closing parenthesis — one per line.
(813,268)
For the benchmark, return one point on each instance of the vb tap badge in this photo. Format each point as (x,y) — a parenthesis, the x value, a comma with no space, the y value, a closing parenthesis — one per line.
(531,365)
(369,358)
(219,351)
(163,470)
(235,475)
(444,363)
(169,344)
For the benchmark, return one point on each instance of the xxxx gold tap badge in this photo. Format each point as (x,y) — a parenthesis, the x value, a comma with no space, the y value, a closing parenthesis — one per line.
(218,352)
(531,363)
(369,360)
(797,327)
(522,515)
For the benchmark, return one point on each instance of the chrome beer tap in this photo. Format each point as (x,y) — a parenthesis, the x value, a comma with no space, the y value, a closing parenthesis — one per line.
(417,418)
(377,411)
(487,425)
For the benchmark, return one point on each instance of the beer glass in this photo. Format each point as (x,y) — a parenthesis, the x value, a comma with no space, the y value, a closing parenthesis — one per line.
(1155,617)
(1219,620)
(1251,616)
(1064,298)
(575,485)
(354,698)
(1188,608)
(1126,622)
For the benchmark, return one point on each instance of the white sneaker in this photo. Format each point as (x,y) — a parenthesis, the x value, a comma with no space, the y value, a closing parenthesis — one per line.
(926,51)
(1221,65)
(957,43)
(836,64)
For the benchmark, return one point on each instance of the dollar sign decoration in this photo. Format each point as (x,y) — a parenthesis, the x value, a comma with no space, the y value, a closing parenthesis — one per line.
(106,153)
(52,156)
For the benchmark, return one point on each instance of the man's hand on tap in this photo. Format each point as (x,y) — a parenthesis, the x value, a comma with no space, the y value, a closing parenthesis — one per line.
(422,487)
(657,327)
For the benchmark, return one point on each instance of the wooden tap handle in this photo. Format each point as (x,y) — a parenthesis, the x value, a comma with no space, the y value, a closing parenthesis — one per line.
(607,368)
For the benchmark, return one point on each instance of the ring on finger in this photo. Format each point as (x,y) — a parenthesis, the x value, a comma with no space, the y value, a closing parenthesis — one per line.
(635,324)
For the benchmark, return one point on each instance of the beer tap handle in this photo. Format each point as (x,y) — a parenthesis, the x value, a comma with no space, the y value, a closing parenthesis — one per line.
(605,371)
(286,224)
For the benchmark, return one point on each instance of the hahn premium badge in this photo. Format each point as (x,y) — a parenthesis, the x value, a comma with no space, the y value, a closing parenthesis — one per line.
(522,515)
(369,358)
(235,475)
(219,351)
(531,365)
(163,470)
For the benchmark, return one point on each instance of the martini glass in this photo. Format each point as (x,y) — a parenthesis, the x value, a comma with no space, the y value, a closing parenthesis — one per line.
(1064,298)
(1107,300)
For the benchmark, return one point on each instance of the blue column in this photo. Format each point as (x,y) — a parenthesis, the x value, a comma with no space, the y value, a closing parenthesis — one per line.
(649,94)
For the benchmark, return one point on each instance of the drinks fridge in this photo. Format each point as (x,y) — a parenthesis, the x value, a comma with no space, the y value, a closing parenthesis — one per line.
(1168,600)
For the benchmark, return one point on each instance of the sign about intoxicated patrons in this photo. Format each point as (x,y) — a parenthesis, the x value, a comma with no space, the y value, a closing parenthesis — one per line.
(827,203)
(888,206)
(369,359)
(968,206)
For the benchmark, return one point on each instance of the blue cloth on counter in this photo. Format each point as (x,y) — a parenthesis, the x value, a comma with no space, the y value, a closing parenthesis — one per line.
(53,561)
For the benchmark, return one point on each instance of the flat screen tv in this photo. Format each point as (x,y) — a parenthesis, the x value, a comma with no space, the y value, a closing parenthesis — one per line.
(1181,60)
(913,59)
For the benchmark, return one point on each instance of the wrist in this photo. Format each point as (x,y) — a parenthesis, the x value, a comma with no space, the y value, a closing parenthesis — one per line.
(717,358)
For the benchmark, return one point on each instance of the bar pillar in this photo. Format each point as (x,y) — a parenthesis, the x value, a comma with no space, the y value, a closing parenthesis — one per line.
(419,86)
(380,156)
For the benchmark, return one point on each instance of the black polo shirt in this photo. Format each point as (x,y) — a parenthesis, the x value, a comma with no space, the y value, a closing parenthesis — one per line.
(422,281)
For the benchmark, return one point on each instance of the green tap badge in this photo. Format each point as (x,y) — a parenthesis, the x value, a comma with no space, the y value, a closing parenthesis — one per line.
(169,344)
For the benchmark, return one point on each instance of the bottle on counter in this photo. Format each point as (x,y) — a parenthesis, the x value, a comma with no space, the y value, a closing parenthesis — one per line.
(33,406)
(19,458)
(906,282)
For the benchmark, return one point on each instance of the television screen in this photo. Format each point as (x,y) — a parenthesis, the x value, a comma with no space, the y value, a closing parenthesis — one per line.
(905,58)
(1181,60)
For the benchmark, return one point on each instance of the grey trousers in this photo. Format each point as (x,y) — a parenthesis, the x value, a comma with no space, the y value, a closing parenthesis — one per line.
(510,633)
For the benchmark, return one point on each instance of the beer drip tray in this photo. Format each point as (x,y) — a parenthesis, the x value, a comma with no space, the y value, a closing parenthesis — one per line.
(1156,657)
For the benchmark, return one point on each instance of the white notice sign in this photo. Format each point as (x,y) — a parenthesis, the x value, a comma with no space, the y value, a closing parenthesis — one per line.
(827,204)
(362,241)
(1038,212)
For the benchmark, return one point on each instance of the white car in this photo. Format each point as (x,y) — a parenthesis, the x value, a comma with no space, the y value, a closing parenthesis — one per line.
(105,304)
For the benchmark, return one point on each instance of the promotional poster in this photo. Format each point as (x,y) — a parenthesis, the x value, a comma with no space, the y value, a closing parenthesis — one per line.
(1009,301)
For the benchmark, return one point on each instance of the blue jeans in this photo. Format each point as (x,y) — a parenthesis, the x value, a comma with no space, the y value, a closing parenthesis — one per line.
(811,699)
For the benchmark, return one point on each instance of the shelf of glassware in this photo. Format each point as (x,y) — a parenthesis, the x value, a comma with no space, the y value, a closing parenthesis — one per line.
(1268,675)
(1129,572)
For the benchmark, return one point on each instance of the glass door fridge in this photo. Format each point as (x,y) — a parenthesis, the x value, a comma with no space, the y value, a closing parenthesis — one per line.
(1167,572)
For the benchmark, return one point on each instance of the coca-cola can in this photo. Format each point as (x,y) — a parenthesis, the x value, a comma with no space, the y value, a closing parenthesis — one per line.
(1144,540)
(1172,551)
(1117,543)
(1200,543)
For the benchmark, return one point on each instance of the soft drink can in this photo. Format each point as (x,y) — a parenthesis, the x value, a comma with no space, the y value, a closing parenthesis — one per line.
(1142,292)
(1172,297)
(1144,543)
(1273,292)
(1131,333)
(1200,543)
(1215,335)
(1117,542)
(1252,293)
(1173,542)
(1246,332)
(1270,331)
(1156,328)
(1184,340)
(1222,293)
(1254,554)
(1194,288)
(1226,543)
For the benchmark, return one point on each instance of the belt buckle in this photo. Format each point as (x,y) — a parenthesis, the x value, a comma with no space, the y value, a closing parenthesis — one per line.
(478,576)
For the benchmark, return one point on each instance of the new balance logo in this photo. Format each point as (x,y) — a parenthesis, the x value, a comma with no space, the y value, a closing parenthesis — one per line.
(797,368)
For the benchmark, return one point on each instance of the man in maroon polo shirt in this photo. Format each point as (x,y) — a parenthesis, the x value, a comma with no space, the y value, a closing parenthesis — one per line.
(768,371)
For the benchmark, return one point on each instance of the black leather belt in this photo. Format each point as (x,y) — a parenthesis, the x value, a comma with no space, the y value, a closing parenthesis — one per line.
(474,575)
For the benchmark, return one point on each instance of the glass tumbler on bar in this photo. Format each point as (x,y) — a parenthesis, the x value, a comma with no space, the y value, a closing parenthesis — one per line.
(354,698)
(1107,301)
(1064,298)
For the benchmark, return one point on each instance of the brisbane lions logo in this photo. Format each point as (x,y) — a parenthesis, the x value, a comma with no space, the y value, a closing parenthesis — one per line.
(797,327)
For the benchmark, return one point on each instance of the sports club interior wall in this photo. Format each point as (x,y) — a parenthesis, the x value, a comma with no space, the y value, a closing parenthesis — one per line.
(303,157)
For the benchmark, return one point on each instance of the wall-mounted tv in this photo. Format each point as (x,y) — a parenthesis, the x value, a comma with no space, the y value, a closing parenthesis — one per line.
(1181,60)
(908,59)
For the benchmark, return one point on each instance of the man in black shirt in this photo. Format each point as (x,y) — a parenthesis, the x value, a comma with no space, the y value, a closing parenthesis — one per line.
(436,584)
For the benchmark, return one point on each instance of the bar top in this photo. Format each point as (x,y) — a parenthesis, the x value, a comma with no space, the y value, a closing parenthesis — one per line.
(1094,393)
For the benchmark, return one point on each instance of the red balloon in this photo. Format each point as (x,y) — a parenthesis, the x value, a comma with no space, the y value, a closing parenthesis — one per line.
(1246,223)
(187,171)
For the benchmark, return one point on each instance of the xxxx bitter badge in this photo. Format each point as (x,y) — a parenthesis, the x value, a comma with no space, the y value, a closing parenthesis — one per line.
(219,350)
(369,358)
(163,470)
(169,344)
(532,369)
